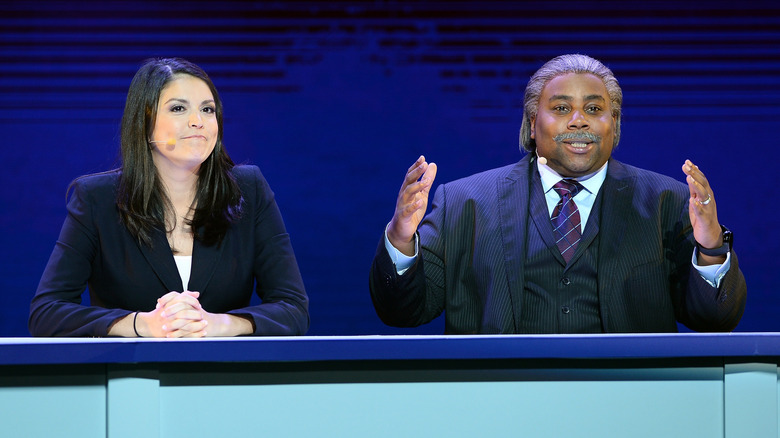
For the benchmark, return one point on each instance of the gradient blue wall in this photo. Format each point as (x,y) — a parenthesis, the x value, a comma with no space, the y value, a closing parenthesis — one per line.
(334,100)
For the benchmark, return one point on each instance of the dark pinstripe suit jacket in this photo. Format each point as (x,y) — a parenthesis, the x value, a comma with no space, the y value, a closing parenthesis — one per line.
(473,244)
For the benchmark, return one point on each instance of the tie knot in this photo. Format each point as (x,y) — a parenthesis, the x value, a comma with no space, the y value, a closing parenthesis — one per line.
(568,187)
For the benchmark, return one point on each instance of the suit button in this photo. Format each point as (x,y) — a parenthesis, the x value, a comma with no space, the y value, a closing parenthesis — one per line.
(387,280)
(565,309)
(565,281)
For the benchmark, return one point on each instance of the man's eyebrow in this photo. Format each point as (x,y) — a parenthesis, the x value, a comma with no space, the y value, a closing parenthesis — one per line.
(569,98)
(595,97)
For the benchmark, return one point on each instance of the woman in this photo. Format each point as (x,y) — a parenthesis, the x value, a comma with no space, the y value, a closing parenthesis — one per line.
(172,243)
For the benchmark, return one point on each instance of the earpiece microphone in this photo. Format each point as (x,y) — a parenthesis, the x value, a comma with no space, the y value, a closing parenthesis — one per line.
(170,142)
(542,161)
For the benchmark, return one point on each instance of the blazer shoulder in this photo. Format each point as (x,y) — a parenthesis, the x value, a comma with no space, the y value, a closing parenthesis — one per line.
(246,172)
(253,185)
(249,178)
(97,185)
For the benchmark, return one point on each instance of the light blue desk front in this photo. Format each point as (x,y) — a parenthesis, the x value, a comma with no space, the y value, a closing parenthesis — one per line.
(680,385)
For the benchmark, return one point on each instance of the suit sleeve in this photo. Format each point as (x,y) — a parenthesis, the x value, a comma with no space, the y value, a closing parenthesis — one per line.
(418,296)
(710,309)
(56,308)
(702,307)
(285,306)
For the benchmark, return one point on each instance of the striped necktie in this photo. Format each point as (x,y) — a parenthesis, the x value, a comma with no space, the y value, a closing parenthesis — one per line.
(566,218)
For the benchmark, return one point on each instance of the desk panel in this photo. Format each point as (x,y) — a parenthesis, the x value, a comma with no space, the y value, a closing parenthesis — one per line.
(585,386)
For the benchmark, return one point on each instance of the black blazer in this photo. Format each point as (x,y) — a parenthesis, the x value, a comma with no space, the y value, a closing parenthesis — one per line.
(95,250)
(473,244)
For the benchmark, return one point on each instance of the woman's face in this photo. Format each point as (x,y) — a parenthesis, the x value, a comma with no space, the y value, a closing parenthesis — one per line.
(185,130)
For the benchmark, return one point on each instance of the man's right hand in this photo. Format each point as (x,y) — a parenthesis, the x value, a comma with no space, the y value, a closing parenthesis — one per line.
(411,205)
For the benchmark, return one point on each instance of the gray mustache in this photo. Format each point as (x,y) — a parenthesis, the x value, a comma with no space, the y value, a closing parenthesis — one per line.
(578,135)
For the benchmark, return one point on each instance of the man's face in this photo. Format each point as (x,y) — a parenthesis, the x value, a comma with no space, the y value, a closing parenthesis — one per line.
(574,128)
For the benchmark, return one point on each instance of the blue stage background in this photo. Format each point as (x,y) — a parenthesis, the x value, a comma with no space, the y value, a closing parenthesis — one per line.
(334,100)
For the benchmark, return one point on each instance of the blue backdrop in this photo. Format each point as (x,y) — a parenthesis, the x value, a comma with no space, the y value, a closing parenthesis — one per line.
(334,100)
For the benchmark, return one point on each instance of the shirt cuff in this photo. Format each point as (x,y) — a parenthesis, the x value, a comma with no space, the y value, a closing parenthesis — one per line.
(401,261)
(712,274)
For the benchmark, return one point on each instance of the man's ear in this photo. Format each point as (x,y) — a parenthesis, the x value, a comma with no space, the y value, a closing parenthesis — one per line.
(533,128)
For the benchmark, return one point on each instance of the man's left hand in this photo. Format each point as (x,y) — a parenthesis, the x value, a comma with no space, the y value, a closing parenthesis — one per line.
(702,209)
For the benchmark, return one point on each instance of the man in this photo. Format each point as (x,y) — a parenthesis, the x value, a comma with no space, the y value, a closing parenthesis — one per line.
(567,240)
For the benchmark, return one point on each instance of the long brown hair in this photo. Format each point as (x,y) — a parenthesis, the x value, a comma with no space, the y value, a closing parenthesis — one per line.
(141,200)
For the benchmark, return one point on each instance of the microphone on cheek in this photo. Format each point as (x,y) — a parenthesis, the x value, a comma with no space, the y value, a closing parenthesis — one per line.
(170,142)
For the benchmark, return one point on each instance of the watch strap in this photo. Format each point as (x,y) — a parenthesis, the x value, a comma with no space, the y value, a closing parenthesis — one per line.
(728,239)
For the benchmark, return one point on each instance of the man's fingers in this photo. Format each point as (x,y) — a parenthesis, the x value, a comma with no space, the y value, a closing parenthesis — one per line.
(693,171)
(416,164)
(411,203)
(412,207)
(429,176)
(417,187)
(414,197)
(698,186)
(413,175)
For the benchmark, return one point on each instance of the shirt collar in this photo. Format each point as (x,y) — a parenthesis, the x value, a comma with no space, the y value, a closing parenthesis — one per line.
(592,181)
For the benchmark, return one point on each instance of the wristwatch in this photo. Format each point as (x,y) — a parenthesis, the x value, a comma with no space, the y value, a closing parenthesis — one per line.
(728,242)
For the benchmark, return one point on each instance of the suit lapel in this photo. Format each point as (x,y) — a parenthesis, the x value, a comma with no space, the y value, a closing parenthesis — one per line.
(591,229)
(617,195)
(204,262)
(160,258)
(541,216)
(513,221)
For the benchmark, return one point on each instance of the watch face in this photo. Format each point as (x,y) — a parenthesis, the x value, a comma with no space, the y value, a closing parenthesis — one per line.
(728,237)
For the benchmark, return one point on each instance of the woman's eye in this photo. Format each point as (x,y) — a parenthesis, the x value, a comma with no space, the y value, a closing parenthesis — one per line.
(177,108)
(209,110)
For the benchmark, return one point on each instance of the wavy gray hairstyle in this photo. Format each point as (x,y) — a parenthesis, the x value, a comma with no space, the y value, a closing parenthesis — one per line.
(558,66)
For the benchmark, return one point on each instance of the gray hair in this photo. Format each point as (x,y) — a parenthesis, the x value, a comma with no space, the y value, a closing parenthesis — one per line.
(558,66)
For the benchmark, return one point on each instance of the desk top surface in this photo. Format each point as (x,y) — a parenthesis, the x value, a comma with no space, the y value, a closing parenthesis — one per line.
(48,351)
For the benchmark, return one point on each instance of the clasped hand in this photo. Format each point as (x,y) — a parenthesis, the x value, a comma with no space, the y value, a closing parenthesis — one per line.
(177,315)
